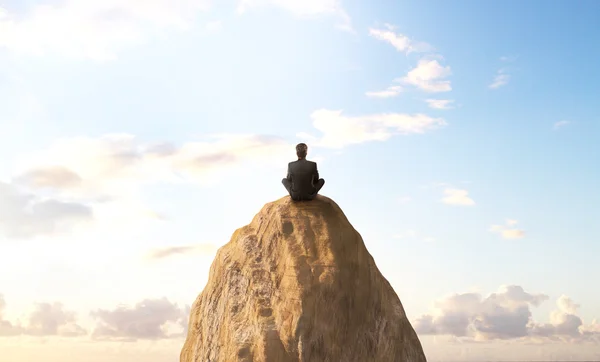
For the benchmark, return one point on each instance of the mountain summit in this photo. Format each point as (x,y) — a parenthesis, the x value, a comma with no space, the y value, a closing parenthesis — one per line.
(298,285)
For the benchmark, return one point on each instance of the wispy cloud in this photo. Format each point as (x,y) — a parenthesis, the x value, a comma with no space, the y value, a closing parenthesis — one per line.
(391,91)
(163,253)
(339,131)
(429,76)
(303,8)
(147,320)
(440,103)
(457,197)
(502,76)
(401,42)
(46,319)
(108,164)
(500,79)
(560,124)
(25,215)
(78,180)
(508,231)
(214,26)
(93,29)
(50,176)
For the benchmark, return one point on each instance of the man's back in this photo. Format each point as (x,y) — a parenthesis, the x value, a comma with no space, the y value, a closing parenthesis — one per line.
(302,181)
(303,174)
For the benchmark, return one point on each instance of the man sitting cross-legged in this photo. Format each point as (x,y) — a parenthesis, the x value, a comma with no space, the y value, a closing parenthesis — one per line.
(302,181)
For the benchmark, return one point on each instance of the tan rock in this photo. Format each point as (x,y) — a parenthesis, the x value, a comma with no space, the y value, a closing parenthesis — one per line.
(298,285)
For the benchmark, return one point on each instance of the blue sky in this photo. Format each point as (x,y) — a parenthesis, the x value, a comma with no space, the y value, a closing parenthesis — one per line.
(458,137)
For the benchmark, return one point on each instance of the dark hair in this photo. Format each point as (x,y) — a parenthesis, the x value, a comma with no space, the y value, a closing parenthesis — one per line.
(301,150)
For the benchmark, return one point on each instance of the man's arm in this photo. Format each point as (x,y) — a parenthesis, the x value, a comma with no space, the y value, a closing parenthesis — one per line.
(315,174)
(289,173)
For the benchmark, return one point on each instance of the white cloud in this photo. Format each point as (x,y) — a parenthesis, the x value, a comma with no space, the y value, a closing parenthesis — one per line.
(501,315)
(214,26)
(93,29)
(53,320)
(50,177)
(303,8)
(512,233)
(24,215)
(508,231)
(502,76)
(399,41)
(82,179)
(566,305)
(116,164)
(149,319)
(560,124)
(389,92)
(429,76)
(167,252)
(566,324)
(505,314)
(591,329)
(47,319)
(501,79)
(440,103)
(7,329)
(339,130)
(457,197)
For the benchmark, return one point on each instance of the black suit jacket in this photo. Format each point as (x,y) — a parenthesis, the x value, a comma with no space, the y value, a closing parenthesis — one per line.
(303,174)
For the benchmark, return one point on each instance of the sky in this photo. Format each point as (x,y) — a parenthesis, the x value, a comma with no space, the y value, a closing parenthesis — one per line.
(459,138)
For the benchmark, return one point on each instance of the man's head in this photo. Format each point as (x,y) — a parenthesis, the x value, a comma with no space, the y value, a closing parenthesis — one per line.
(301,150)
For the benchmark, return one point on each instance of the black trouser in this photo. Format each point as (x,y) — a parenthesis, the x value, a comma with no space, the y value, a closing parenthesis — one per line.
(296,196)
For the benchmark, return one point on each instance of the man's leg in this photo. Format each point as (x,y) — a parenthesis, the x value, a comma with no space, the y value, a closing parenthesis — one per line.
(318,186)
(288,185)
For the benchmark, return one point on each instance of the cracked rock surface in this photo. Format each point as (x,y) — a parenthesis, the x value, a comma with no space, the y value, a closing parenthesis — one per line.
(298,285)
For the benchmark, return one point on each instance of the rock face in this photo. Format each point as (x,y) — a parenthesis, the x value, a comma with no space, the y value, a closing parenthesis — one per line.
(298,285)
